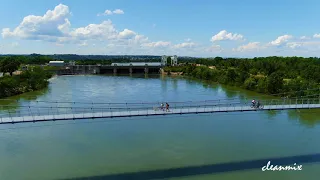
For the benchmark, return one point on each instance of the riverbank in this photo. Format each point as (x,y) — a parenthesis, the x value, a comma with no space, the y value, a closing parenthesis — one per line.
(24,82)
(275,84)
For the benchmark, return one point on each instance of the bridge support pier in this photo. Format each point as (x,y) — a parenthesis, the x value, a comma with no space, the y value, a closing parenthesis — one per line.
(130,70)
(146,70)
(98,70)
(114,70)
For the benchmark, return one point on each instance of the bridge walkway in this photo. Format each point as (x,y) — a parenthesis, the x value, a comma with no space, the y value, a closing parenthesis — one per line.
(147,111)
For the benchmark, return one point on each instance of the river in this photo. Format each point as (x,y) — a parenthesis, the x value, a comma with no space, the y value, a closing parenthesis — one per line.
(100,147)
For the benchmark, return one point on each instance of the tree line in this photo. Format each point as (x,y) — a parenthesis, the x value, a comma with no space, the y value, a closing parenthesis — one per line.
(268,75)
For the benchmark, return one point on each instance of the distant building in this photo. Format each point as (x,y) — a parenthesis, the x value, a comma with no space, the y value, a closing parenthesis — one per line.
(24,68)
(56,63)
(164,60)
(174,60)
(72,63)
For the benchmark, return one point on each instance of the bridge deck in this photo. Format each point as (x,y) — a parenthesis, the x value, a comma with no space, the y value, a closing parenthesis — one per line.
(148,112)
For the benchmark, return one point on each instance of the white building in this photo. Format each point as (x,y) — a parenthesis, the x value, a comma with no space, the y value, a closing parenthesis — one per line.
(164,60)
(56,63)
(174,60)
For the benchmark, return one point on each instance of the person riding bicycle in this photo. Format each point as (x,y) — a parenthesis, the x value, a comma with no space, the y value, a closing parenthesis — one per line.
(162,106)
(253,102)
(167,107)
(258,104)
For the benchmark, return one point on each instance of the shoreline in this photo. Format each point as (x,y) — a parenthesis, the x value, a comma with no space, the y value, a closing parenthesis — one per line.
(24,83)
(185,75)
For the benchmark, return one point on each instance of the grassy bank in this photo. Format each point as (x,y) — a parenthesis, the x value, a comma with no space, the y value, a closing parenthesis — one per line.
(27,81)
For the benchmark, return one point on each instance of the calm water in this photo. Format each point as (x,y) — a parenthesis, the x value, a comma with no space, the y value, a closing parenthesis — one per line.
(88,148)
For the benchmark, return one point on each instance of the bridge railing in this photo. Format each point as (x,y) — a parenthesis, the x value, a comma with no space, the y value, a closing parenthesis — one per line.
(32,111)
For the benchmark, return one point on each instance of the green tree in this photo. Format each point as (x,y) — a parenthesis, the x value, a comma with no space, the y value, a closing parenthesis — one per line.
(231,76)
(250,83)
(242,77)
(9,64)
(262,85)
(275,83)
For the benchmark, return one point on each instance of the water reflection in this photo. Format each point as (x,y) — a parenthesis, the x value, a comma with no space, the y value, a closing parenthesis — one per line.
(272,114)
(175,83)
(307,117)
(13,102)
(164,83)
(232,94)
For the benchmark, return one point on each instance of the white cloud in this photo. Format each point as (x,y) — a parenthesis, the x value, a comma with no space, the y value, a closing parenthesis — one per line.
(103,31)
(109,12)
(248,47)
(157,44)
(294,45)
(308,45)
(224,35)
(185,45)
(304,38)
(52,24)
(55,27)
(118,11)
(281,40)
(316,35)
(126,33)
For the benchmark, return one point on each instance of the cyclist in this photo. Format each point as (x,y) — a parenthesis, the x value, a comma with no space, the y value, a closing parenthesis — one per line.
(253,102)
(258,104)
(162,106)
(167,107)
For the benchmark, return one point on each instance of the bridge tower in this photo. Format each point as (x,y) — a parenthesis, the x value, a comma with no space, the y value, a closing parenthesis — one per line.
(164,60)
(174,60)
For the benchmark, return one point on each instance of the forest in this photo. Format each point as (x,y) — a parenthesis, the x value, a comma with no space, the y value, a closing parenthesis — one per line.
(285,76)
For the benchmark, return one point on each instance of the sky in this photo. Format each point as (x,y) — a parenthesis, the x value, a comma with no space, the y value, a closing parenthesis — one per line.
(200,28)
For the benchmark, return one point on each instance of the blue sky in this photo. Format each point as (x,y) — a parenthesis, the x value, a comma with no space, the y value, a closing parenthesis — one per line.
(204,28)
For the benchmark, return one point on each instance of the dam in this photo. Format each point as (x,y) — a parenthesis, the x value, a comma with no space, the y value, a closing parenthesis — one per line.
(114,68)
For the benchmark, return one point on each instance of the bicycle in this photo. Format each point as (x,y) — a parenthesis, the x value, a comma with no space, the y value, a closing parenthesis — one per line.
(261,106)
(256,107)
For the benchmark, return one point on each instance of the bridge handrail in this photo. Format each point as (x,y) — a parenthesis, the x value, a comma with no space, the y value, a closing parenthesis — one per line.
(62,110)
(265,102)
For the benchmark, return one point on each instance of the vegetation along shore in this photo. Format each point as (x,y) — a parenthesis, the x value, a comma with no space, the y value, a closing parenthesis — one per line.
(290,76)
(12,84)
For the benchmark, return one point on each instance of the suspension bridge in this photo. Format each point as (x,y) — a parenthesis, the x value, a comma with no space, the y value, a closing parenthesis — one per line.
(37,112)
